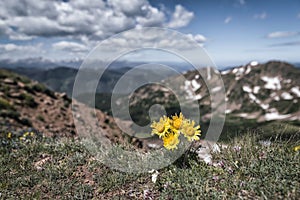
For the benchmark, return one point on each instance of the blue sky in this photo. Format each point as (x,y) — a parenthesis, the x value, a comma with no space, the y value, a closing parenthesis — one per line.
(233,32)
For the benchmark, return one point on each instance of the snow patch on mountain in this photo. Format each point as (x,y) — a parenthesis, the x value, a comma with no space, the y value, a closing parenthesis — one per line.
(216,89)
(253,63)
(253,98)
(246,88)
(257,101)
(190,87)
(228,111)
(197,97)
(195,85)
(275,116)
(286,96)
(264,106)
(296,90)
(248,70)
(256,89)
(238,72)
(272,83)
(277,98)
(225,72)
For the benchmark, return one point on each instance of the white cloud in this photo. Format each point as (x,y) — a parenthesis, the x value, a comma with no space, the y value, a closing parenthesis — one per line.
(227,20)
(130,7)
(198,38)
(14,51)
(282,34)
(95,19)
(10,47)
(69,46)
(79,24)
(262,15)
(41,26)
(13,47)
(181,17)
(154,17)
(152,38)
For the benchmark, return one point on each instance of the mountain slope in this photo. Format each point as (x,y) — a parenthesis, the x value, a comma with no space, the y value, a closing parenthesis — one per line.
(257,95)
(264,92)
(26,104)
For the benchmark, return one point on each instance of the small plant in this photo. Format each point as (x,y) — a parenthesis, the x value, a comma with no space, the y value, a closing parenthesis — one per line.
(40,118)
(25,121)
(169,129)
(39,87)
(4,104)
(29,100)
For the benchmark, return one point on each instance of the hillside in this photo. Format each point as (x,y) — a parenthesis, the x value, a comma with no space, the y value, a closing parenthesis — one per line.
(27,105)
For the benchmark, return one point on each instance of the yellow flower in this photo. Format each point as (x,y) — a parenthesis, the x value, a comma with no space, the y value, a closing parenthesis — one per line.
(189,131)
(177,121)
(297,148)
(9,135)
(160,128)
(25,134)
(171,140)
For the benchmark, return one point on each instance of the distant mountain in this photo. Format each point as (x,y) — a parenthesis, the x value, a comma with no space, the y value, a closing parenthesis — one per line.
(61,79)
(297,65)
(256,94)
(265,92)
(38,63)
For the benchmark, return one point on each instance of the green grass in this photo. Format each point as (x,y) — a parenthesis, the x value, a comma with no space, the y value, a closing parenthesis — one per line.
(39,167)
(4,104)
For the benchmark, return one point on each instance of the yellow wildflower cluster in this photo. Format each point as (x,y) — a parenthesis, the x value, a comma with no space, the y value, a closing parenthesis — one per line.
(169,129)
(26,134)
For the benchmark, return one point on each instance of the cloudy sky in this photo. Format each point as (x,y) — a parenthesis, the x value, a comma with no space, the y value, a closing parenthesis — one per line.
(233,32)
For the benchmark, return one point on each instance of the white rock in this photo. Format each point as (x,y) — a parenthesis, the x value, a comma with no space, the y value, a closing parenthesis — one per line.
(154,176)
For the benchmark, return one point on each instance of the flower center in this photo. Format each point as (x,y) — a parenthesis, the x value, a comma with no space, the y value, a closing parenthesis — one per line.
(160,128)
(170,140)
(177,123)
(190,131)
